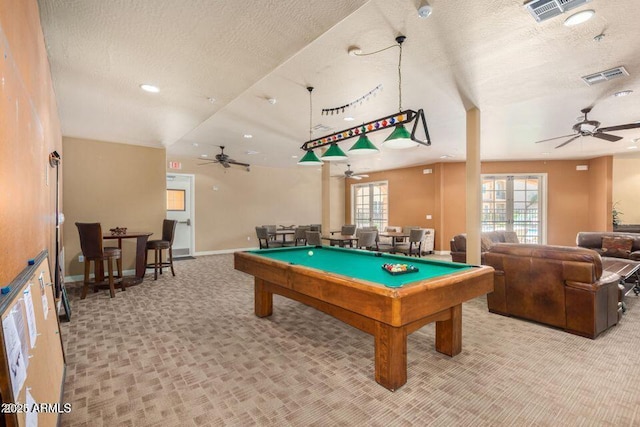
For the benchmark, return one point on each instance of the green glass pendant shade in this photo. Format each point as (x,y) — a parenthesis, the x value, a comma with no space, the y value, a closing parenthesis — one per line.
(399,138)
(310,159)
(334,153)
(363,146)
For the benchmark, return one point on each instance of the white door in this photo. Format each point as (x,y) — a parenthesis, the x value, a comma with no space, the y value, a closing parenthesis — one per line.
(180,204)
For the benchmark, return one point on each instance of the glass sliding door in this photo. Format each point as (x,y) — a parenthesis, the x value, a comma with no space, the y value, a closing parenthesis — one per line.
(515,203)
(370,204)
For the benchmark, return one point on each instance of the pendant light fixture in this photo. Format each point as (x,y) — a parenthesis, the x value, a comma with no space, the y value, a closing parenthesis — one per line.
(310,158)
(400,137)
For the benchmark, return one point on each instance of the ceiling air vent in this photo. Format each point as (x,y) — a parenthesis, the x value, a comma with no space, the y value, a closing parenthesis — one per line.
(604,76)
(542,10)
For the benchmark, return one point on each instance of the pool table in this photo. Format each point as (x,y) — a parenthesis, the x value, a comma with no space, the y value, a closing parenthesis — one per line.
(351,285)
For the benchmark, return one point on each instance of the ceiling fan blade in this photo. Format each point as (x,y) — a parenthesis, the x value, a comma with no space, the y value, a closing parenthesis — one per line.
(225,164)
(620,127)
(557,137)
(209,161)
(568,141)
(355,177)
(606,136)
(363,175)
(233,162)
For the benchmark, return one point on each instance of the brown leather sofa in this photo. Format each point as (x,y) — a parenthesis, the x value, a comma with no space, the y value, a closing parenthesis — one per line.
(556,285)
(487,239)
(594,240)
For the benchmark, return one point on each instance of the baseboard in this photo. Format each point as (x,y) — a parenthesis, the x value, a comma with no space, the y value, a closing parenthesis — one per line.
(80,278)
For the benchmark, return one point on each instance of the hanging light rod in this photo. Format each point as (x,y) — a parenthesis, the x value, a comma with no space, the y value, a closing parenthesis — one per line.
(387,122)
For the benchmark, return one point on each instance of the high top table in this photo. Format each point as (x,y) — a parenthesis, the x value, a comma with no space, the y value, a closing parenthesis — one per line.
(141,247)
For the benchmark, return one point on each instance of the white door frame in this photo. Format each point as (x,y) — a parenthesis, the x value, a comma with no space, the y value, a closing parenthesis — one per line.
(192,207)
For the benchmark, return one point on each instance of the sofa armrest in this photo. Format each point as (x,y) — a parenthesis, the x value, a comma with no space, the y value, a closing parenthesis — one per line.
(635,256)
(607,279)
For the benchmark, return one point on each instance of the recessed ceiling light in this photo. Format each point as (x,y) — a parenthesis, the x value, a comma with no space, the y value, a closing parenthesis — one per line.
(294,157)
(272,101)
(204,155)
(632,147)
(579,18)
(349,119)
(546,153)
(149,88)
(445,156)
(623,93)
(251,152)
(248,135)
(195,144)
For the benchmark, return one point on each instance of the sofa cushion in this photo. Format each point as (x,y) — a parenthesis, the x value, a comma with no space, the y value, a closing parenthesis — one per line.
(619,247)
(510,237)
(485,243)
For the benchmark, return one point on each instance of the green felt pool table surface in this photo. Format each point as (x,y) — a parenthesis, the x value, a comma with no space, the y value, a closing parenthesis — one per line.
(363,265)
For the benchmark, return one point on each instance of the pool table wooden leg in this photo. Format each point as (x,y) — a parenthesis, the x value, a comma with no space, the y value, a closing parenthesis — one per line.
(263,299)
(391,355)
(449,333)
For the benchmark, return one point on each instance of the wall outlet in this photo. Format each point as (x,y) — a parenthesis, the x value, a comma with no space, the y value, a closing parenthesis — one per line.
(80,258)
(248,238)
(429,216)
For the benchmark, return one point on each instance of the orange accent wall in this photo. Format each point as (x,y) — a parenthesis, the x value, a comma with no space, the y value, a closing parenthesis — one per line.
(29,131)
(576,200)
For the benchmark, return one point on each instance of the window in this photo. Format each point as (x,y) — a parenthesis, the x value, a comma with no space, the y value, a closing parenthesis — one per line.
(514,203)
(370,204)
(176,200)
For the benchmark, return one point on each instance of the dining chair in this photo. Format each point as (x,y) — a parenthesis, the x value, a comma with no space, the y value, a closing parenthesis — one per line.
(316,227)
(300,235)
(93,251)
(313,238)
(271,229)
(348,230)
(414,246)
(264,239)
(157,246)
(367,240)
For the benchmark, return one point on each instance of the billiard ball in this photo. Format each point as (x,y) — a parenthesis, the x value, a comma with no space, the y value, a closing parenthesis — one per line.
(310,253)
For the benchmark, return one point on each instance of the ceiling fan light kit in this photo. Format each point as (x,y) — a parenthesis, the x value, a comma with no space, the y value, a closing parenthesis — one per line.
(592,128)
(400,137)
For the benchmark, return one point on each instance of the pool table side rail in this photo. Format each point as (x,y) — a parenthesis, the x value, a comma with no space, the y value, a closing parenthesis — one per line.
(393,306)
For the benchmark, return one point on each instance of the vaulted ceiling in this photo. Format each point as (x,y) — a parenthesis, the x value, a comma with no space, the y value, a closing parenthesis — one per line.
(227,69)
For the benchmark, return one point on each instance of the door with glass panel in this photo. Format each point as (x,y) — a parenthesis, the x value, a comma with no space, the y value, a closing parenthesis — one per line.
(515,203)
(370,204)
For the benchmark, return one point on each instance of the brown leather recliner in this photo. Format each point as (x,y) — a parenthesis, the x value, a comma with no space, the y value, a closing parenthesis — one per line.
(555,285)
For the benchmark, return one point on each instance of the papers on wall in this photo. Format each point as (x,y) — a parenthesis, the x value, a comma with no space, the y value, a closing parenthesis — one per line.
(21,327)
(43,293)
(31,316)
(16,360)
(31,415)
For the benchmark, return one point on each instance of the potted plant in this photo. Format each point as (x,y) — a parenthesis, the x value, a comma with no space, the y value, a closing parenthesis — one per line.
(615,215)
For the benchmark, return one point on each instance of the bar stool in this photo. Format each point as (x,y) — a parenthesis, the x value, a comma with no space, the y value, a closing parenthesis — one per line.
(157,246)
(92,250)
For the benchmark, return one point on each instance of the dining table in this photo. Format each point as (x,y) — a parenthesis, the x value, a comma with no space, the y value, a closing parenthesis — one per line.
(284,233)
(141,248)
(340,239)
(395,236)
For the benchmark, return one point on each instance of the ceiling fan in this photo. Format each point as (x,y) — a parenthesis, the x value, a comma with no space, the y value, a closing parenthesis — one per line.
(350,174)
(225,160)
(588,127)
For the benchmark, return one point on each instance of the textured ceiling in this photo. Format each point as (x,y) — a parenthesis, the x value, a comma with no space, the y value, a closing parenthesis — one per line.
(522,75)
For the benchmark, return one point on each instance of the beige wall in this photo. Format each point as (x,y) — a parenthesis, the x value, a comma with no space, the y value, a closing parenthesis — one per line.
(576,200)
(226,217)
(626,189)
(117,185)
(29,131)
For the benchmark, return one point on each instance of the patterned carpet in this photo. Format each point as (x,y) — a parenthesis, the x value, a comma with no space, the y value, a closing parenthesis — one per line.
(188,351)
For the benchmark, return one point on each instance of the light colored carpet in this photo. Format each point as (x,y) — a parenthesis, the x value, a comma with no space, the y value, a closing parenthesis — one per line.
(188,351)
